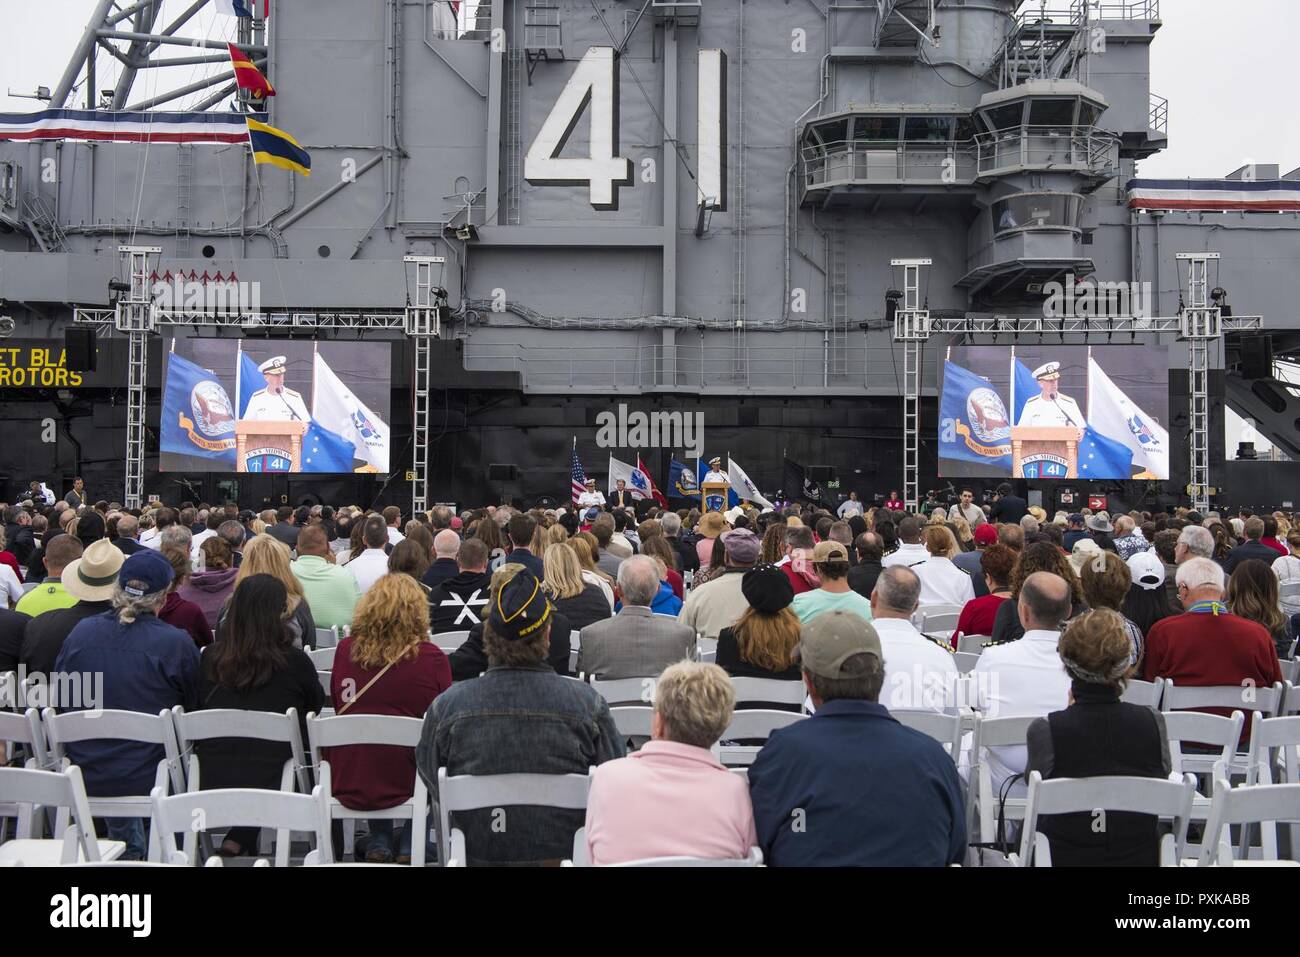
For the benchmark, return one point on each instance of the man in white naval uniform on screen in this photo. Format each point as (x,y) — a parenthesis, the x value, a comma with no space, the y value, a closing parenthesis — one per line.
(715,473)
(591,496)
(275,403)
(1050,407)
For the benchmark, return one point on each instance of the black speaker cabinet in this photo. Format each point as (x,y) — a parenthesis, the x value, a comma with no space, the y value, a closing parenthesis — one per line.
(1257,356)
(79,344)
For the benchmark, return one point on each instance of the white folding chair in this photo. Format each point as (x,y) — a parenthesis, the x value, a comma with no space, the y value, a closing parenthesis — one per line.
(972,644)
(373,730)
(575,643)
(31,790)
(1264,804)
(939,621)
(636,691)
(449,641)
(1274,755)
(996,733)
(327,637)
(323,659)
(706,650)
(224,808)
(1266,700)
(632,722)
(470,792)
(326,679)
(1290,672)
(9,691)
(944,728)
(768,691)
(21,738)
(1204,729)
(750,725)
(1164,798)
(580,859)
(74,727)
(965,661)
(28,586)
(1146,693)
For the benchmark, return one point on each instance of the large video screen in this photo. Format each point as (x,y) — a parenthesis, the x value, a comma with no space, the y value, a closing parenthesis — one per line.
(1047,411)
(275,406)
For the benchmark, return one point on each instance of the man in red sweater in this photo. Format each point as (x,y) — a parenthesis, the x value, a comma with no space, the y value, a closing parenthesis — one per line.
(797,561)
(1206,645)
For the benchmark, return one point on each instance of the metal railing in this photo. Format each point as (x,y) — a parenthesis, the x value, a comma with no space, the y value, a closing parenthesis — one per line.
(1134,10)
(900,162)
(1159,117)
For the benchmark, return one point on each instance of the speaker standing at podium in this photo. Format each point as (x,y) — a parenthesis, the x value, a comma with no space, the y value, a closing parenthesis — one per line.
(275,403)
(1050,407)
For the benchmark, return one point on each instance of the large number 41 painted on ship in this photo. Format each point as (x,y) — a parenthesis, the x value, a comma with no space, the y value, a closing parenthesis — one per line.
(594,83)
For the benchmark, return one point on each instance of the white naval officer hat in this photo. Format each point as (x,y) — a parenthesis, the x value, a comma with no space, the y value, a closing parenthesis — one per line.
(276,365)
(591,482)
(716,460)
(1048,370)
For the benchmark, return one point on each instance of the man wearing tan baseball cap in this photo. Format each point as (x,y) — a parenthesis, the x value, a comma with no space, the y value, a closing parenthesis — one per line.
(830,561)
(851,786)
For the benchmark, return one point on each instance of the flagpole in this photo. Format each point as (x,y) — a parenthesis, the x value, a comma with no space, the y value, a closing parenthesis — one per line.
(239,370)
(314,350)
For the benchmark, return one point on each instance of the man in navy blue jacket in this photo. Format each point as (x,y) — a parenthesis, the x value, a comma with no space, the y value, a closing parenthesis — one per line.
(850,786)
(144,665)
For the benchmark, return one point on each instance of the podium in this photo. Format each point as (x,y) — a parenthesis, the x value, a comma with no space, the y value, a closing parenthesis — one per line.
(713,496)
(1044,452)
(264,446)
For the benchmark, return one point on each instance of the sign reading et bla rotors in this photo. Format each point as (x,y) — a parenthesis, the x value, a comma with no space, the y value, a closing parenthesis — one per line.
(36,367)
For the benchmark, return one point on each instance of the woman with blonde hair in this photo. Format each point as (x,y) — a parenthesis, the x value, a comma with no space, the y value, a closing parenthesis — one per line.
(960,529)
(579,600)
(385,666)
(582,545)
(266,555)
(258,527)
(555,535)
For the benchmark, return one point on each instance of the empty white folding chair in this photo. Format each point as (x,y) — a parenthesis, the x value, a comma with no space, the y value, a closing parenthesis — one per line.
(939,621)
(472,792)
(965,661)
(972,644)
(750,726)
(1167,799)
(706,650)
(636,691)
(995,733)
(323,658)
(74,727)
(21,739)
(30,791)
(449,641)
(1145,693)
(768,691)
(1290,674)
(373,730)
(944,728)
(327,637)
(1266,805)
(632,721)
(1274,755)
(224,808)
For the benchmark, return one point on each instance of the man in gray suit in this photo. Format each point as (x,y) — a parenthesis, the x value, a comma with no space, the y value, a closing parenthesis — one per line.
(635,643)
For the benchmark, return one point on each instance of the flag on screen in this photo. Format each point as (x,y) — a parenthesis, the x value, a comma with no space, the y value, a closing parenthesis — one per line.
(249,378)
(325,451)
(337,408)
(973,423)
(652,491)
(1116,416)
(798,487)
(577,477)
(247,75)
(277,148)
(197,418)
(1023,388)
(681,481)
(638,483)
(742,487)
(1103,458)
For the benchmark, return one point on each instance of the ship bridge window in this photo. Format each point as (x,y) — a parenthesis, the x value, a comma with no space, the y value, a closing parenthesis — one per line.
(928,129)
(869,128)
(1051,113)
(1006,117)
(965,129)
(836,132)
(1036,211)
(1089,114)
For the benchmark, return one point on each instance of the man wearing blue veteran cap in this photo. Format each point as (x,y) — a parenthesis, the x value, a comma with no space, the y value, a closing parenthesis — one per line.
(146,665)
(519,717)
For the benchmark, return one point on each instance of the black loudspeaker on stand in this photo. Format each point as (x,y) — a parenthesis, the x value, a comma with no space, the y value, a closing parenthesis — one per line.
(79,346)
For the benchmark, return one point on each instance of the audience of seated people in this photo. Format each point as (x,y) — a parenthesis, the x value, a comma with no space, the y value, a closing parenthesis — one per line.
(135,611)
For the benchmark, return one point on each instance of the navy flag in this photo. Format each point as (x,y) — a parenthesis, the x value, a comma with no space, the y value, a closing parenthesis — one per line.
(197,416)
(973,421)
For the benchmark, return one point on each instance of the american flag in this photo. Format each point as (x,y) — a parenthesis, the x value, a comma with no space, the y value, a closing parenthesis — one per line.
(579,477)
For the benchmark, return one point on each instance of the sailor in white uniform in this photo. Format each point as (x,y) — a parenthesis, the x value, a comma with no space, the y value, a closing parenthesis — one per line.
(715,473)
(592,496)
(276,403)
(1050,407)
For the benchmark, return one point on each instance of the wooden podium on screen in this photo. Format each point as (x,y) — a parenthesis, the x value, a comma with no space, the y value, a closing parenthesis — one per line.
(1044,452)
(265,446)
(711,493)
